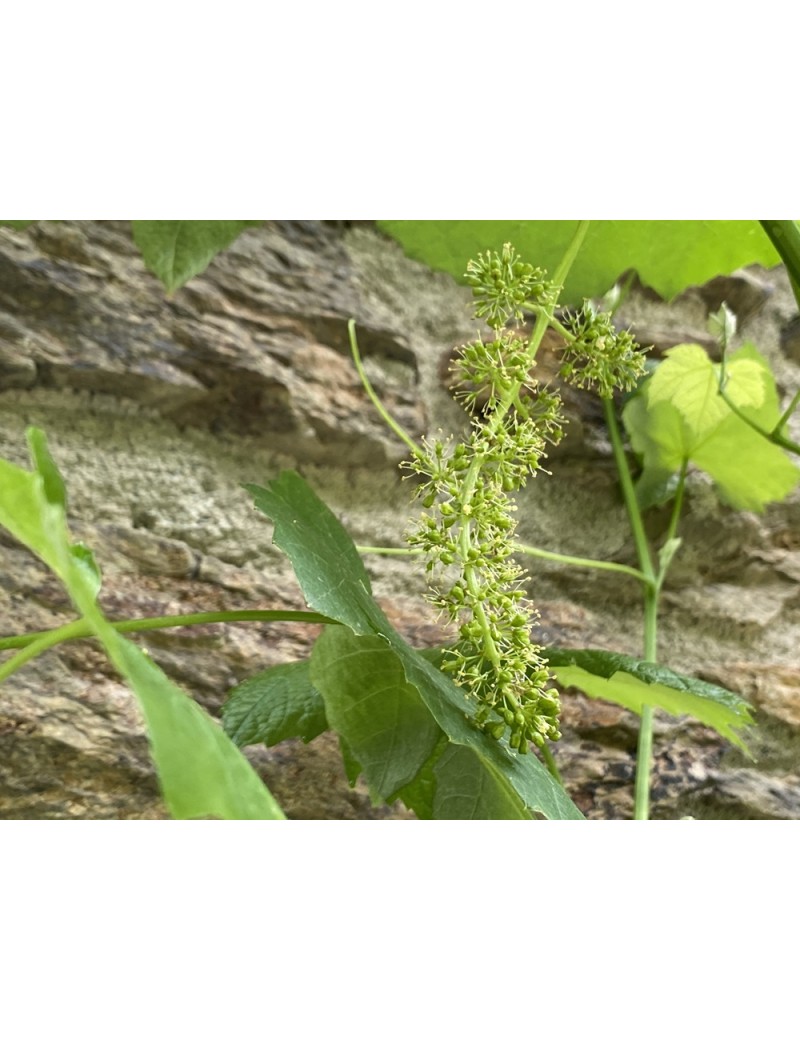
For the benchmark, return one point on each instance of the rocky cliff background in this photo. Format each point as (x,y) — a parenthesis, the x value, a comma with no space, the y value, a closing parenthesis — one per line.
(157,410)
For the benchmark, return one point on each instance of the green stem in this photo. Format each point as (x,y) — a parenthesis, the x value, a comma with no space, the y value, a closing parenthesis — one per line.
(573,249)
(550,762)
(527,550)
(496,420)
(641,808)
(785,417)
(644,757)
(677,505)
(629,494)
(774,435)
(785,236)
(394,426)
(81,629)
(582,561)
(36,644)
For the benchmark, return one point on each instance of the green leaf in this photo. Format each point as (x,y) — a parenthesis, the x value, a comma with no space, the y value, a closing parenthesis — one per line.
(334,582)
(325,560)
(200,770)
(352,767)
(632,683)
(668,255)
(689,380)
(18,225)
(466,790)
(177,250)
(749,471)
(44,464)
(380,716)
(420,794)
(277,704)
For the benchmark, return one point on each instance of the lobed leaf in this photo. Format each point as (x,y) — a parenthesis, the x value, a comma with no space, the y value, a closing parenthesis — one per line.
(689,380)
(749,471)
(632,683)
(668,255)
(334,582)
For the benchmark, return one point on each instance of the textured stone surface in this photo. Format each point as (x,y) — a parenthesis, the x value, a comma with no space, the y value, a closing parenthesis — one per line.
(158,410)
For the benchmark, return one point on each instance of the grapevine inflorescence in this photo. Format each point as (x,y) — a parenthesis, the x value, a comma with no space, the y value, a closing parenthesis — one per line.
(467,529)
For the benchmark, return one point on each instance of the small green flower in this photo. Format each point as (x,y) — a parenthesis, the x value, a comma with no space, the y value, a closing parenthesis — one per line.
(598,356)
(503,285)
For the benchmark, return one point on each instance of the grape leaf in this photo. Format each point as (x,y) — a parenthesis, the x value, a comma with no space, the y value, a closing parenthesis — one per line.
(632,683)
(368,701)
(277,704)
(749,471)
(668,255)
(465,790)
(177,250)
(689,380)
(200,771)
(420,794)
(334,581)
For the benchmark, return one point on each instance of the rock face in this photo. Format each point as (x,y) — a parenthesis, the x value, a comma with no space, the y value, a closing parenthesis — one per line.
(158,410)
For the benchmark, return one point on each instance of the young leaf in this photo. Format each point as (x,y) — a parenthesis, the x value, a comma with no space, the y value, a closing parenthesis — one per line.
(689,380)
(748,470)
(201,772)
(177,250)
(277,704)
(334,582)
(667,254)
(632,683)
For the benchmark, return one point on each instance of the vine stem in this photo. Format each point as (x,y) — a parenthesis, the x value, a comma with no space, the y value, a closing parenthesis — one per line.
(774,435)
(550,762)
(34,643)
(785,237)
(393,425)
(582,561)
(527,550)
(644,754)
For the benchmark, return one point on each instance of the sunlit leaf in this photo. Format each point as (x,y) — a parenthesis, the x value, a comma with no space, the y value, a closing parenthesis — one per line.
(689,380)
(748,470)
(668,255)
(632,683)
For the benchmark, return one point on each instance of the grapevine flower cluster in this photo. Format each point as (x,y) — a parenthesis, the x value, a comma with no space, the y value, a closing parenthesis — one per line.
(467,532)
(597,356)
(467,529)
